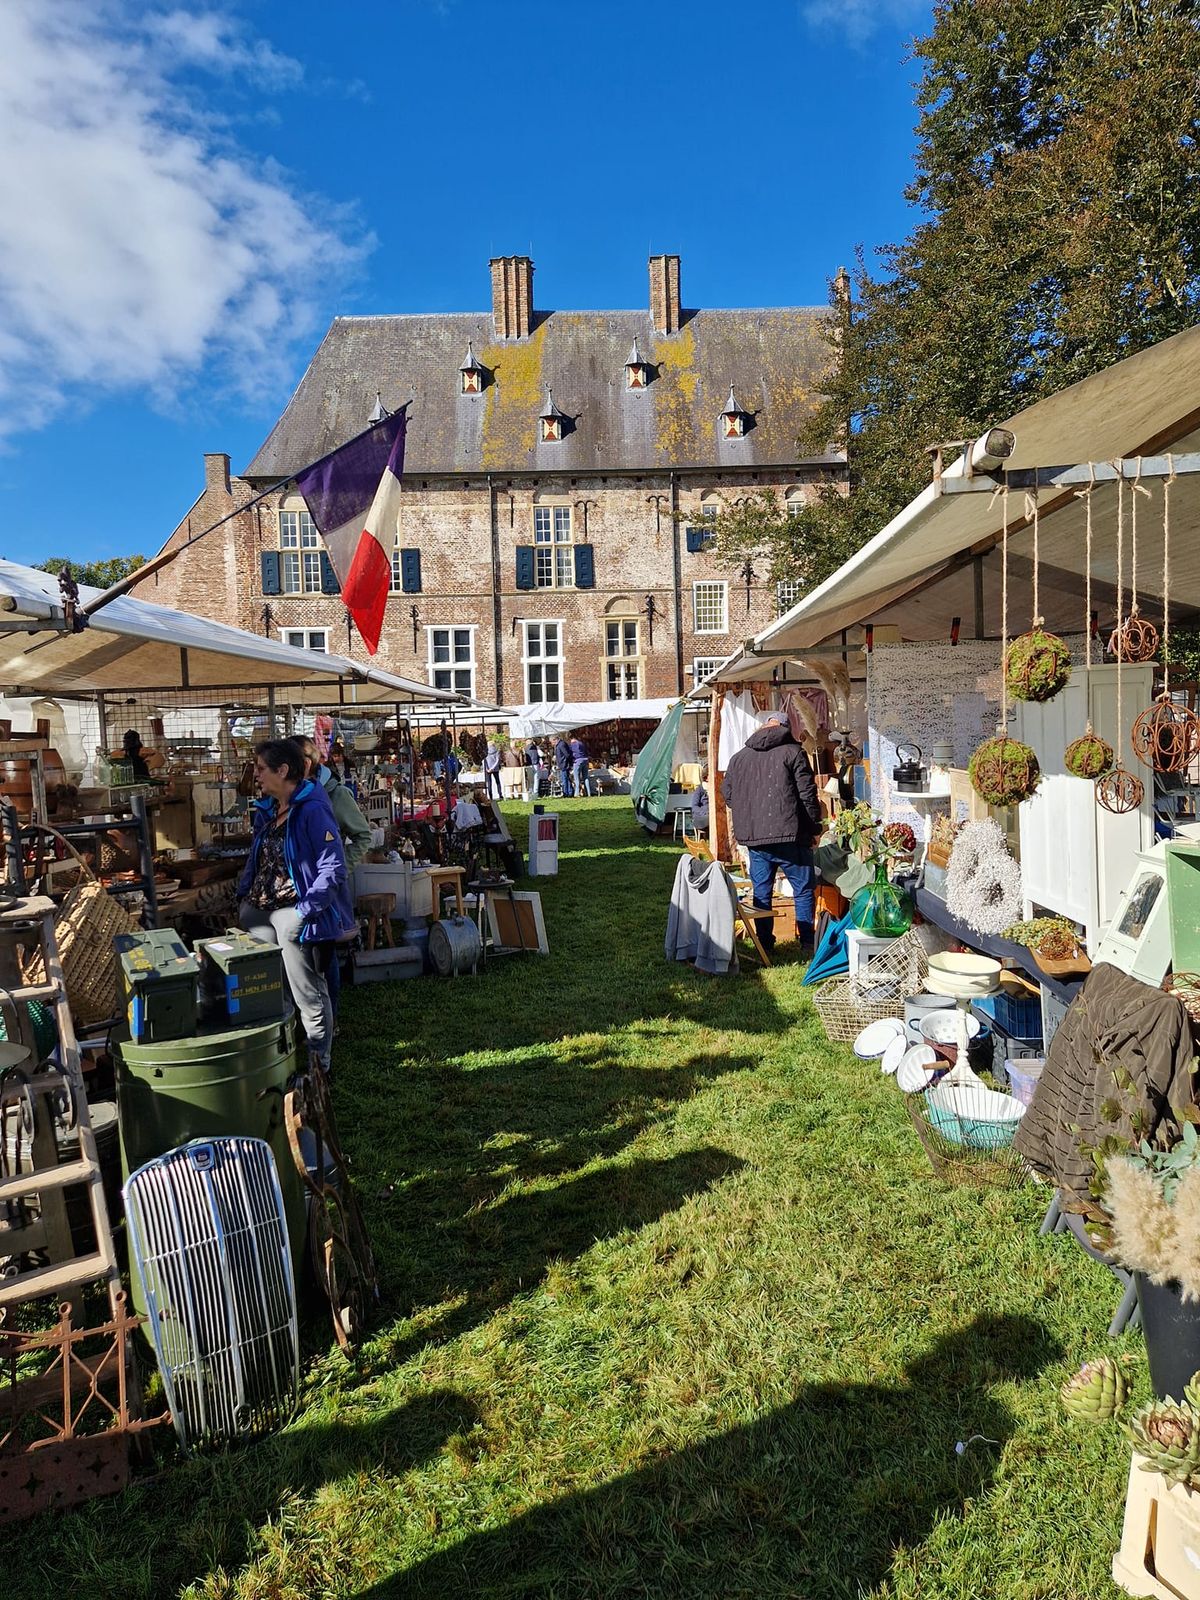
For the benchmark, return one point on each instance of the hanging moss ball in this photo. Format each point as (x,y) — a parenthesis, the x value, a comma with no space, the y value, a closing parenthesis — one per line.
(1037,666)
(1089,756)
(1004,771)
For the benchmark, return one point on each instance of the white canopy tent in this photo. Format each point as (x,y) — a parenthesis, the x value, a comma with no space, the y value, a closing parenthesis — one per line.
(135,646)
(939,557)
(560,716)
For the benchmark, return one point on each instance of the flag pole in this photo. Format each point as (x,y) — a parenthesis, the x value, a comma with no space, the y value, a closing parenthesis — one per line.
(164,557)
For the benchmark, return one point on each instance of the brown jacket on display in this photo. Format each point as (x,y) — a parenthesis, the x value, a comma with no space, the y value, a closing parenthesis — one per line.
(770,791)
(1114,1021)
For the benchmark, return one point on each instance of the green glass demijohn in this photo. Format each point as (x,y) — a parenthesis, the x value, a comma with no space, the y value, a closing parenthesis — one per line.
(880,908)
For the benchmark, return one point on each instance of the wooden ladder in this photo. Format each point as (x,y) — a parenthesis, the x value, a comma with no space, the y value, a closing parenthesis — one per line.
(31,921)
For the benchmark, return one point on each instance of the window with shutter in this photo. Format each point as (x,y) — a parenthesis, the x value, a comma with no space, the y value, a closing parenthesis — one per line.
(525,566)
(269,564)
(329,582)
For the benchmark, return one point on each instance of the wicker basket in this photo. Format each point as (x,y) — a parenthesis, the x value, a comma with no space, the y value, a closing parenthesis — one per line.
(846,1005)
(85,925)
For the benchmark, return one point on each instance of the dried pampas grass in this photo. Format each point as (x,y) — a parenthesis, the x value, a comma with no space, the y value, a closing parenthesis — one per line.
(1151,1235)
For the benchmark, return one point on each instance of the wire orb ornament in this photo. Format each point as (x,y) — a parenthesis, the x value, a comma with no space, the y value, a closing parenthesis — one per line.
(1135,640)
(1166,736)
(1004,771)
(1089,756)
(1120,791)
(1036,666)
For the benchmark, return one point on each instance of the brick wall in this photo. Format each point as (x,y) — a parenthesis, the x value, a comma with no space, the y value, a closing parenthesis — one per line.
(450,520)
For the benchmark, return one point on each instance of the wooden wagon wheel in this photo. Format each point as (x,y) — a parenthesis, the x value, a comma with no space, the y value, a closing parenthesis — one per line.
(340,1250)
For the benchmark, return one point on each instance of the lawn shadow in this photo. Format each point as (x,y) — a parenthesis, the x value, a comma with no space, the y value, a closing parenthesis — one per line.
(496,1251)
(216,1504)
(812,1501)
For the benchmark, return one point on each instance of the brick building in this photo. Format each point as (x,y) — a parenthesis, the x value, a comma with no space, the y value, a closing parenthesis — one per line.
(560,468)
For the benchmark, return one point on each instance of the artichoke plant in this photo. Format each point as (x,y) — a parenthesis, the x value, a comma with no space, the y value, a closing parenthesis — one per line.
(1168,1436)
(1096,1392)
(1191,1393)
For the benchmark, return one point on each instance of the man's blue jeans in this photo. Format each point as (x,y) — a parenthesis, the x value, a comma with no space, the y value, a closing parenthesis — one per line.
(795,862)
(564,778)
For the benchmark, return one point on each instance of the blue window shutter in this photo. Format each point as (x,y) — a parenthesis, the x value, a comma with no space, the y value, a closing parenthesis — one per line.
(524,566)
(272,582)
(410,571)
(695,540)
(585,567)
(329,583)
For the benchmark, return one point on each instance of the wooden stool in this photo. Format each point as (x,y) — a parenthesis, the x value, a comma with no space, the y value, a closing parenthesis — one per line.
(749,916)
(446,878)
(378,909)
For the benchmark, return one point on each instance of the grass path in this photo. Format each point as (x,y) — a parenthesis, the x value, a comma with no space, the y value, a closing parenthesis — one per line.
(674,1308)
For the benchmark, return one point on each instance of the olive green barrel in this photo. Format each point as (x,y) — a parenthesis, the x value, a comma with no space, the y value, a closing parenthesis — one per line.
(227,1082)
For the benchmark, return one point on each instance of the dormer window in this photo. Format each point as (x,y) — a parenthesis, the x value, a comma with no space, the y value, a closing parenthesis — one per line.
(552,419)
(471,373)
(733,418)
(637,371)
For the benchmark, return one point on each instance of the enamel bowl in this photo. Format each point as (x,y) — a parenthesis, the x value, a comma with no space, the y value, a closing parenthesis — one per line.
(962,975)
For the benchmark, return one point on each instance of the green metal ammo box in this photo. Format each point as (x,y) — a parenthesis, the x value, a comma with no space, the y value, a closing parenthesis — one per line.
(158,984)
(241,979)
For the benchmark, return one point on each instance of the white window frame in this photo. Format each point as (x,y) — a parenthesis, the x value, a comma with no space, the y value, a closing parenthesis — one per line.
(627,664)
(553,554)
(713,585)
(452,667)
(396,586)
(794,502)
(299,552)
(286,636)
(787,592)
(541,659)
(701,662)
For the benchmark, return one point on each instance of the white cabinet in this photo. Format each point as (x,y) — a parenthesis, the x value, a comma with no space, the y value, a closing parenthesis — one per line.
(1076,856)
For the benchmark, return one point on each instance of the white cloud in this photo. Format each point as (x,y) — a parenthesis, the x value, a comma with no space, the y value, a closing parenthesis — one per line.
(140,246)
(857,20)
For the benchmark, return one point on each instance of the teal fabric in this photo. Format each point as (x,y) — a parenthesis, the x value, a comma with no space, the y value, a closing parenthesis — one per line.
(652,776)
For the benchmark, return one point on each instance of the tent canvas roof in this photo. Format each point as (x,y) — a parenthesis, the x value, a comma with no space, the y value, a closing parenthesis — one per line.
(917,571)
(135,645)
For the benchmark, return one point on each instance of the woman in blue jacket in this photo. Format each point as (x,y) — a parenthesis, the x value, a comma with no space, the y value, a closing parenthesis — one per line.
(294,891)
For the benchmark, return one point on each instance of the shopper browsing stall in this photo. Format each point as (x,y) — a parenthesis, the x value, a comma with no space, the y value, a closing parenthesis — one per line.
(352,825)
(293,891)
(771,794)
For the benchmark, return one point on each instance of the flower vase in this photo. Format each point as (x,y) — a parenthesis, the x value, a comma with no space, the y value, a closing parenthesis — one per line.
(1171,1326)
(880,908)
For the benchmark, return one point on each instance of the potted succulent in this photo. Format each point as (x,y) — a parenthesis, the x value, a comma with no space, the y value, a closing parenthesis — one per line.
(1052,941)
(1146,1215)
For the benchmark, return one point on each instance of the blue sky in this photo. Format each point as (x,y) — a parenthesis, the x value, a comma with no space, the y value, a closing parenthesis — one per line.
(188,195)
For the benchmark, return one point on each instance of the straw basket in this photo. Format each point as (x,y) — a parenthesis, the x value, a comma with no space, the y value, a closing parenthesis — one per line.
(84,927)
(846,1005)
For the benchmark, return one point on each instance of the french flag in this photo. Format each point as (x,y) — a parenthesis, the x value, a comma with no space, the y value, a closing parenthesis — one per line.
(353,496)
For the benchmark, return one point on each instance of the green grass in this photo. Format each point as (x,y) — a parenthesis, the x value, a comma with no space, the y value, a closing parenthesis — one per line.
(673,1307)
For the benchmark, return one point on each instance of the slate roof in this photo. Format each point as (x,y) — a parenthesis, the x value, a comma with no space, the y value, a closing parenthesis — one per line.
(774,357)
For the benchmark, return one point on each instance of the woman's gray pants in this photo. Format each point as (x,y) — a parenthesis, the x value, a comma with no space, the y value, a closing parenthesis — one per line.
(301,970)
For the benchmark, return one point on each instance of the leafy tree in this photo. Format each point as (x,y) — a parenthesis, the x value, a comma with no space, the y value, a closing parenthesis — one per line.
(96,574)
(1058,178)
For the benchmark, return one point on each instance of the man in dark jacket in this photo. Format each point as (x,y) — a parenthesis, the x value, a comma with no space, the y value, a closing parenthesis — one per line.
(771,794)
(562,760)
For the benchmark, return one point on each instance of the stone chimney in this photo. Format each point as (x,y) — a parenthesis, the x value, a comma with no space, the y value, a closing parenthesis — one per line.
(512,296)
(216,472)
(664,293)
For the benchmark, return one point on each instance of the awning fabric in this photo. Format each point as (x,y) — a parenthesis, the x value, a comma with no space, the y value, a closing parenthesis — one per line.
(651,782)
(560,716)
(133,645)
(917,572)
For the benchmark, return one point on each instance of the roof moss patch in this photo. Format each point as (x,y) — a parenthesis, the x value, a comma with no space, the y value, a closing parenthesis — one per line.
(677,422)
(514,398)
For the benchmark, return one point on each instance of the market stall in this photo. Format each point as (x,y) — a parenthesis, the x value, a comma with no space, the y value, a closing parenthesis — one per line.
(1030,972)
